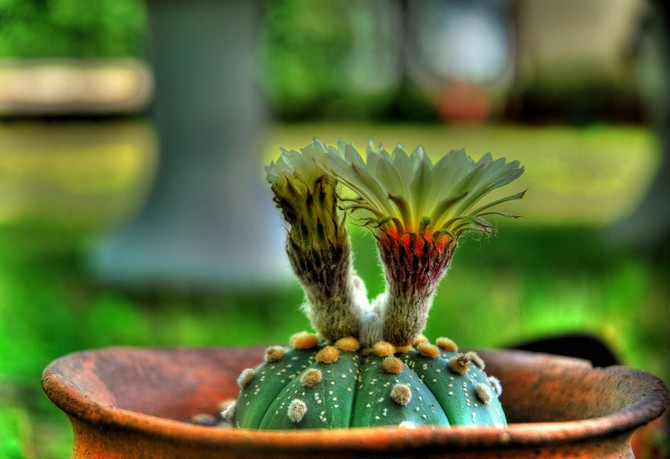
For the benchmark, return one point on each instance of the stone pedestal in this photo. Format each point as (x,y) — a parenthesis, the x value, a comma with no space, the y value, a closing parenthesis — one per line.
(209,220)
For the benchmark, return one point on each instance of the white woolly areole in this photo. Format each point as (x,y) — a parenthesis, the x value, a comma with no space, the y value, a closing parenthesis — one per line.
(497,386)
(476,359)
(484,393)
(360,293)
(371,324)
(311,377)
(297,410)
(401,394)
(245,377)
(407,425)
(229,412)
(274,354)
(459,364)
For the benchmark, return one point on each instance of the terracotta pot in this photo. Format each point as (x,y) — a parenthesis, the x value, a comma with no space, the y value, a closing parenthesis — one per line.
(127,403)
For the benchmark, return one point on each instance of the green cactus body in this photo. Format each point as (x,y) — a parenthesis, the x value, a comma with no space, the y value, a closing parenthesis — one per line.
(325,388)
(377,404)
(467,399)
(265,384)
(328,398)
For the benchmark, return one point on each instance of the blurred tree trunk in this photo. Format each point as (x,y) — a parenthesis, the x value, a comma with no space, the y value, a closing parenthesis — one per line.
(209,220)
(648,226)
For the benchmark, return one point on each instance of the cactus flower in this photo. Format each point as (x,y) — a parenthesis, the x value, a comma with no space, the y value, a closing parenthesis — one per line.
(318,243)
(417,211)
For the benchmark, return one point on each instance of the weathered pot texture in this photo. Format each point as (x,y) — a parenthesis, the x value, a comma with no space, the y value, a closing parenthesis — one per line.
(126,403)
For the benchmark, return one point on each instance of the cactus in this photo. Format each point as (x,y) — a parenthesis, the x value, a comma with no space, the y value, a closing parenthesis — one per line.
(368,363)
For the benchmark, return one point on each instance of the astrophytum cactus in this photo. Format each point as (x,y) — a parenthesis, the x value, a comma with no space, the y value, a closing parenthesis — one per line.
(368,364)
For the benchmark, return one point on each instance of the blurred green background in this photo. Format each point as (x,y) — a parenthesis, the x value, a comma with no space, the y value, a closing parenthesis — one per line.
(332,69)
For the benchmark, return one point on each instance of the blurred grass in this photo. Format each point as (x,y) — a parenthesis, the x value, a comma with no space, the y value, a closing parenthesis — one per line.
(537,277)
(86,174)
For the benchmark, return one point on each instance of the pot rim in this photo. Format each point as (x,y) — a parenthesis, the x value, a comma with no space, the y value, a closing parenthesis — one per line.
(75,403)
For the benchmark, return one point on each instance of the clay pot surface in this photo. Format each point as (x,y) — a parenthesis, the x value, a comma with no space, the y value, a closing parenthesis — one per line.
(129,403)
